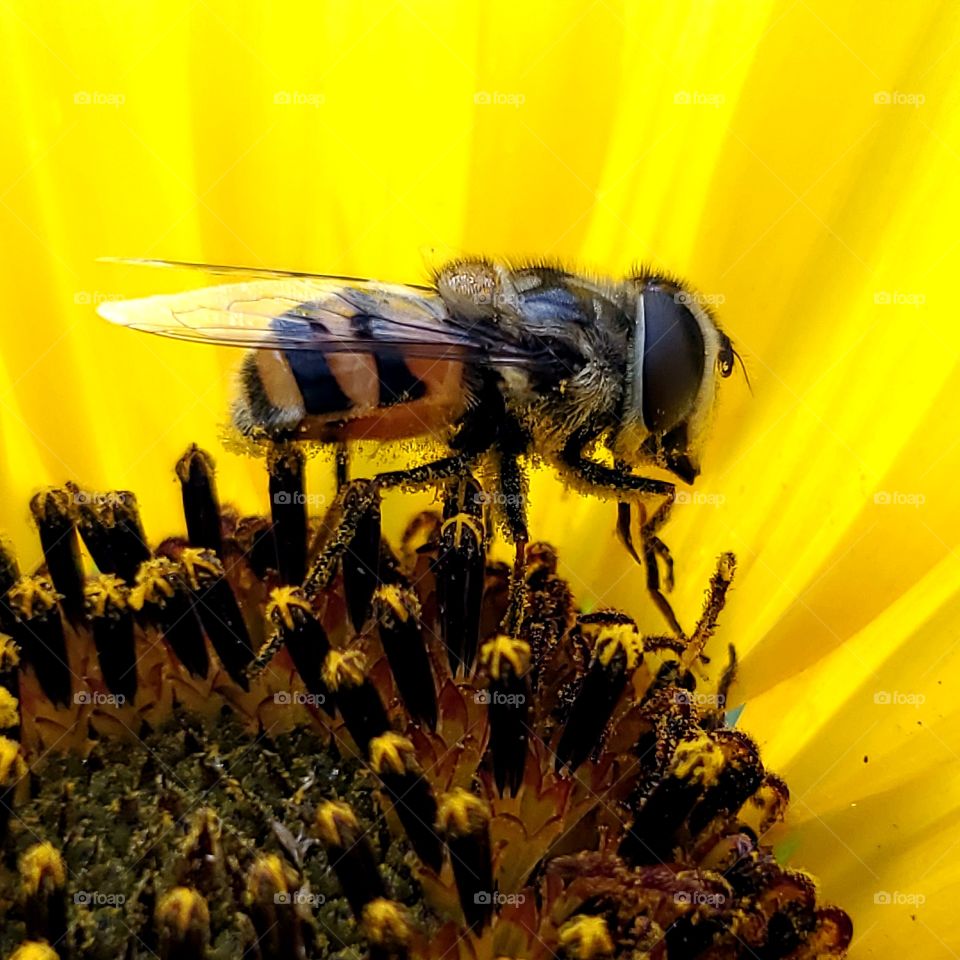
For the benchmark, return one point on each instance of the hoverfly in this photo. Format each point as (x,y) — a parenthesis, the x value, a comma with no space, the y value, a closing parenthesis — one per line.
(503,363)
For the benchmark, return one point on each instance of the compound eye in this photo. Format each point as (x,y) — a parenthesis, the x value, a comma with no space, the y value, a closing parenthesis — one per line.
(673,358)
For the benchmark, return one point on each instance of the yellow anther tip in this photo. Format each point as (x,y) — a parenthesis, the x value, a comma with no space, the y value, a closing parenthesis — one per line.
(460,812)
(502,649)
(698,758)
(41,865)
(268,875)
(344,669)
(12,764)
(283,601)
(34,950)
(30,596)
(385,923)
(389,752)
(611,638)
(105,592)
(181,908)
(335,821)
(396,600)
(586,937)
(9,709)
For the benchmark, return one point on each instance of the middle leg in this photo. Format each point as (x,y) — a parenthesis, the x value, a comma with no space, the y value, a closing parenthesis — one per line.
(617,481)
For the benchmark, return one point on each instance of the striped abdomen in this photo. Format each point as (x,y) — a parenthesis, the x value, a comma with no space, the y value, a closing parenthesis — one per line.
(379,394)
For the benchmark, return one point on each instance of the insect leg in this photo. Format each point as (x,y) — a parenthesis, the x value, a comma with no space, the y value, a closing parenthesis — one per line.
(618,480)
(648,528)
(441,469)
(359,506)
(341,466)
(356,503)
(512,486)
(653,547)
(647,531)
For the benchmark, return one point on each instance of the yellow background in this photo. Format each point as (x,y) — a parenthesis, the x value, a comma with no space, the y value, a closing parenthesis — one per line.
(796,160)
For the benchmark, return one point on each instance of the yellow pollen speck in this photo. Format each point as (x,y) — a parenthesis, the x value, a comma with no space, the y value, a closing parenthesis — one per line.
(699,758)
(41,866)
(32,596)
(385,923)
(515,652)
(390,750)
(283,600)
(334,821)
(344,668)
(586,937)
(460,812)
(9,709)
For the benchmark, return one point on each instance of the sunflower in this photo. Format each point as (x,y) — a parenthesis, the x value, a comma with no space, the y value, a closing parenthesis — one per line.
(795,160)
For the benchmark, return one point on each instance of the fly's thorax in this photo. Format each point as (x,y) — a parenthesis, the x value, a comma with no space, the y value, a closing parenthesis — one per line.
(476,290)
(375,394)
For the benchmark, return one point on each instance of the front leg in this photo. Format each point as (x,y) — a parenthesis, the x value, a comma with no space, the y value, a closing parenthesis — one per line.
(617,481)
(512,493)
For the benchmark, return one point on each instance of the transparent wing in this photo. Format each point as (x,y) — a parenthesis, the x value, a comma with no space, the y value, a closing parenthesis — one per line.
(226,269)
(332,315)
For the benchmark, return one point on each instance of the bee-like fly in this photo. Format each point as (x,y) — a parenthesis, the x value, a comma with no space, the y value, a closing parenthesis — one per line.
(597,378)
